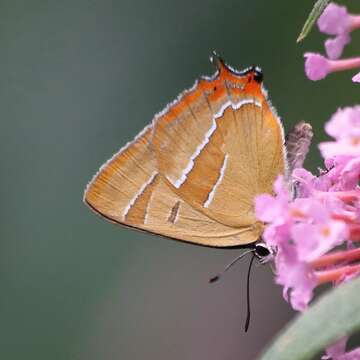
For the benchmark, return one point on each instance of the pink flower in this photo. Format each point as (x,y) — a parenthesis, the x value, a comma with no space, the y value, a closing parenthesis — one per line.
(350,174)
(344,126)
(315,240)
(323,212)
(317,67)
(336,178)
(335,20)
(337,351)
(345,123)
(351,355)
(336,148)
(308,184)
(276,234)
(269,208)
(297,278)
(303,231)
(310,216)
(275,210)
(335,46)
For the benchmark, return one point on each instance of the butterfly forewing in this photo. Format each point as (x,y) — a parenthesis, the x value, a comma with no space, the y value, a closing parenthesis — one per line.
(192,174)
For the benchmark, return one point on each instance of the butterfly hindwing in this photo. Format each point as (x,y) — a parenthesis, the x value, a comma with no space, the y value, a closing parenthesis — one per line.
(129,190)
(193,173)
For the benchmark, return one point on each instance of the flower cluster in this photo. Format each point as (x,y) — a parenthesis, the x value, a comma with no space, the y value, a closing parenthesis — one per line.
(324,214)
(337,22)
(313,221)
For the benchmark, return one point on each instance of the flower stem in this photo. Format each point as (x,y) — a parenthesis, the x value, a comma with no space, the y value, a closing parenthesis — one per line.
(336,257)
(348,196)
(354,232)
(336,274)
(355,22)
(344,64)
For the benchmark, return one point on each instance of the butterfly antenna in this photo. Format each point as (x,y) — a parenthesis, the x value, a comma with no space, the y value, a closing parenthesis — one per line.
(247,322)
(218,276)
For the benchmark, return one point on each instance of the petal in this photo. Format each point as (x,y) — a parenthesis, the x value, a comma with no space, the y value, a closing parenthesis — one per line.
(351,355)
(310,209)
(314,240)
(345,123)
(307,239)
(266,207)
(275,235)
(305,182)
(334,20)
(336,349)
(316,66)
(334,47)
(350,174)
(331,149)
(280,188)
(300,281)
(356,78)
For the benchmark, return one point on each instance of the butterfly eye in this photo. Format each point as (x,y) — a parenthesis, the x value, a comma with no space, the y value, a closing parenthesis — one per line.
(262,251)
(258,77)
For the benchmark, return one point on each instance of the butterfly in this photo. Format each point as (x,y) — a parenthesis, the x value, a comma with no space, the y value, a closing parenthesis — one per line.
(192,174)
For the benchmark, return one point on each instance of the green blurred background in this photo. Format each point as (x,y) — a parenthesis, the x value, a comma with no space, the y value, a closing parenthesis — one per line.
(78,80)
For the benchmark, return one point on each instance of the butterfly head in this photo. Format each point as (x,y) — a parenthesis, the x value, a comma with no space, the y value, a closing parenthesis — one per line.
(263,252)
(248,79)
